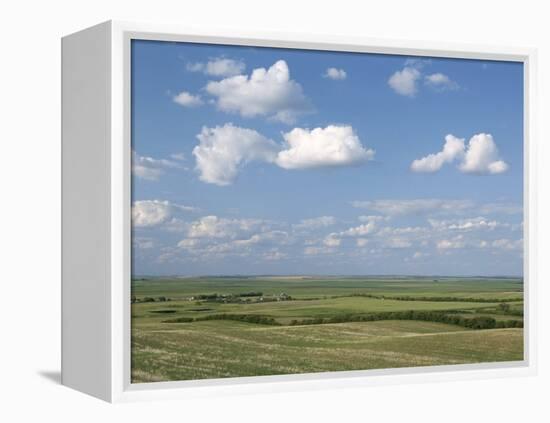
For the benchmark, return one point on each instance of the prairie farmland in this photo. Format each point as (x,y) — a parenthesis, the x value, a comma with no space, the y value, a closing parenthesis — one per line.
(221,327)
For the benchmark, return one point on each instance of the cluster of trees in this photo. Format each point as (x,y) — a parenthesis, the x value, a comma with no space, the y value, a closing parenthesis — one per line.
(207,297)
(477,322)
(505,308)
(248,297)
(149,299)
(248,318)
(227,298)
(440,299)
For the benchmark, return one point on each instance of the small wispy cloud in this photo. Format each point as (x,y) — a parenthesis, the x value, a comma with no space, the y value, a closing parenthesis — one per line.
(149,168)
(406,82)
(218,67)
(440,81)
(187,99)
(335,74)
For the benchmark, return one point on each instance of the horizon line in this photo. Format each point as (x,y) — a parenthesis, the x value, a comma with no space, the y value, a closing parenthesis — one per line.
(235,275)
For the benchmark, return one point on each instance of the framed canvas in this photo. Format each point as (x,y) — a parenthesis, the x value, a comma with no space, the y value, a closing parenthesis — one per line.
(261,212)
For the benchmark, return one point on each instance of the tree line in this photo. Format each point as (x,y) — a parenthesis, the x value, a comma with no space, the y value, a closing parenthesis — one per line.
(477,322)
(439,299)
(247,318)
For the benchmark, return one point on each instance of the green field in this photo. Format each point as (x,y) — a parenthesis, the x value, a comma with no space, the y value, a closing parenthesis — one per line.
(215,327)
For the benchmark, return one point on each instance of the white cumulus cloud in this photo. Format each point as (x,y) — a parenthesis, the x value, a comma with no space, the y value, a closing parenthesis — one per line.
(404,82)
(453,148)
(482,156)
(154,212)
(150,212)
(361,230)
(266,92)
(334,239)
(186,99)
(335,73)
(322,147)
(479,156)
(219,227)
(212,236)
(224,149)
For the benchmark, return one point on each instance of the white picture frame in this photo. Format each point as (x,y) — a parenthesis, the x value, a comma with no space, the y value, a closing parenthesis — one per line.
(96,226)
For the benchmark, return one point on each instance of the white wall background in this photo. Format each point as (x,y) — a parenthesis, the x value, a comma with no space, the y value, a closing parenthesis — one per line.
(30,207)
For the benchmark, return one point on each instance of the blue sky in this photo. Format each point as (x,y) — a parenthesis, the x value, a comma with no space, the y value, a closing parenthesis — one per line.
(276,161)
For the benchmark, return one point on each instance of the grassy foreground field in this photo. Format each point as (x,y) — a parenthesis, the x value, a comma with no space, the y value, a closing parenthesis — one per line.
(213,327)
